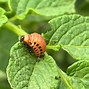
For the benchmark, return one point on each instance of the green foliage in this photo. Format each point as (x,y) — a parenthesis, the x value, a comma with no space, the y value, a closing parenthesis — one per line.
(3,18)
(48,8)
(68,34)
(26,71)
(3,82)
(31,73)
(77,76)
(3,1)
(6,41)
(72,33)
(5,45)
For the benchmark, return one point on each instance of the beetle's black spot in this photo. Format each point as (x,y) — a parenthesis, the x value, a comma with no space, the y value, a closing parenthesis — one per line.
(30,43)
(27,47)
(41,52)
(24,44)
(39,47)
(37,53)
(34,48)
(34,42)
(37,44)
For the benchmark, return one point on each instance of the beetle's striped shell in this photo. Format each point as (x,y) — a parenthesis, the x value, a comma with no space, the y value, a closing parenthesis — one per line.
(36,42)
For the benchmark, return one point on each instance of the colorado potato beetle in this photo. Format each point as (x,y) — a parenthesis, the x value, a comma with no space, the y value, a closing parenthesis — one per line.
(36,42)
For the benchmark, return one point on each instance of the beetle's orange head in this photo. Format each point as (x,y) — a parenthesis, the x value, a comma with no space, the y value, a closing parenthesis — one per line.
(25,38)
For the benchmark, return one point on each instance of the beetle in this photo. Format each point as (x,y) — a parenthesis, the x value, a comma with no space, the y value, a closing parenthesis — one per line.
(36,42)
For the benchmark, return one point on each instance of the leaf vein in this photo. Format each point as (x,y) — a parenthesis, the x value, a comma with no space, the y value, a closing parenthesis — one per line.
(70,30)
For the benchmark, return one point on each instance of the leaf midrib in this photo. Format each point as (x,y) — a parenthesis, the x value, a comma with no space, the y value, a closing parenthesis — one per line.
(62,75)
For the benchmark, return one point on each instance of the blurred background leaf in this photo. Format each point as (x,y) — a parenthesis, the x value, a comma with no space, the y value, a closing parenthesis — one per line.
(3,81)
(7,39)
(82,7)
(3,18)
(3,1)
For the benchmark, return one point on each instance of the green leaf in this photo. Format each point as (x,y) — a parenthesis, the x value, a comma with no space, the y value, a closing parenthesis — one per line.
(78,52)
(49,8)
(25,71)
(3,1)
(71,32)
(3,18)
(6,41)
(79,72)
(77,76)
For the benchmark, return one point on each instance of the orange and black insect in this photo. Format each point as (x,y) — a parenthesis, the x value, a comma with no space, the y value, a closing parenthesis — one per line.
(36,42)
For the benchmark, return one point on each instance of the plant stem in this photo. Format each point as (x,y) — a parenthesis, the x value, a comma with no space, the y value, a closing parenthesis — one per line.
(15,29)
(56,48)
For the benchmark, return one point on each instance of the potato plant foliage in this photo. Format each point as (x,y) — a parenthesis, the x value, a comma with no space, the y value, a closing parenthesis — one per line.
(64,24)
